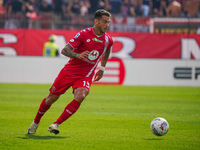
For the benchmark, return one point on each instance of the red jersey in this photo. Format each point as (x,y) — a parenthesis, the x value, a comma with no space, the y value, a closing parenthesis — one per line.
(87,40)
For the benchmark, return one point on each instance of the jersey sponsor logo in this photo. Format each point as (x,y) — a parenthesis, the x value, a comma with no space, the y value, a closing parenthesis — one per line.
(97,40)
(88,40)
(93,55)
(72,40)
(77,35)
(91,62)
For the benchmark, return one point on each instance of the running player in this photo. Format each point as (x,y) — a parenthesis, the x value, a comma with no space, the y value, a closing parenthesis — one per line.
(85,51)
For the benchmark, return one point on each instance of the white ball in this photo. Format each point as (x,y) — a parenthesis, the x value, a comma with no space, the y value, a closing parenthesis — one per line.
(159,126)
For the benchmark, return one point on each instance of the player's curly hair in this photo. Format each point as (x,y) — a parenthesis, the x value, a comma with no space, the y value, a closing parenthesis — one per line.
(99,13)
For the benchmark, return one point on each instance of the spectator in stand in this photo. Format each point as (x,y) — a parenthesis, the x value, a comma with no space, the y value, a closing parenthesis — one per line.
(155,7)
(85,6)
(114,6)
(50,2)
(77,9)
(134,8)
(125,8)
(74,8)
(97,4)
(2,13)
(59,13)
(163,8)
(191,8)
(93,7)
(31,6)
(17,10)
(174,9)
(59,7)
(145,4)
(101,4)
(46,10)
(180,1)
(16,6)
(2,8)
(45,7)
(62,7)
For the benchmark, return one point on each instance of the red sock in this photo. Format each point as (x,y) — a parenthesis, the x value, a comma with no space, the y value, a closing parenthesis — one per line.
(69,110)
(42,109)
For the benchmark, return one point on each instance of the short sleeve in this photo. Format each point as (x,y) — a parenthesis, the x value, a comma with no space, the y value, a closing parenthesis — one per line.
(77,40)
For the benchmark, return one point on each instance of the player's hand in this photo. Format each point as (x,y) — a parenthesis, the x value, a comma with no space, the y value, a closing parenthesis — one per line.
(83,55)
(98,75)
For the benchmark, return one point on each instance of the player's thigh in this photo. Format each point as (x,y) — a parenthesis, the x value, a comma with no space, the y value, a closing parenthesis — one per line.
(81,88)
(62,83)
(83,82)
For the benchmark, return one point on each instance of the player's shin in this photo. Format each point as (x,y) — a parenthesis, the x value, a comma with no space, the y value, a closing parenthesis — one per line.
(69,110)
(41,111)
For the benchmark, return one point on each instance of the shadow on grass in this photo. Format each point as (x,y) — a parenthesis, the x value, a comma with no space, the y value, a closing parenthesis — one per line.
(154,139)
(28,136)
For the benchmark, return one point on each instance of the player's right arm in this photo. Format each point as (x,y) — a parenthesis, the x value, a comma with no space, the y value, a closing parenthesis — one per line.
(68,51)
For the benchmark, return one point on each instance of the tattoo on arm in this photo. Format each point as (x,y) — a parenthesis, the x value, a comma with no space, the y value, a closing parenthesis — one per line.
(67,51)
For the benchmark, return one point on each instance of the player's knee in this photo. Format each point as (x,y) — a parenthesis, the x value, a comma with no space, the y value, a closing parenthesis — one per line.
(51,98)
(80,95)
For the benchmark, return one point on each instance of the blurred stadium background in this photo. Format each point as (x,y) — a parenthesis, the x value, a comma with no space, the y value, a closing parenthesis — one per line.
(156,42)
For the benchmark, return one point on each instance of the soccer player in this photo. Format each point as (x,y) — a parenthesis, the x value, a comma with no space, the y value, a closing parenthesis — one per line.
(85,51)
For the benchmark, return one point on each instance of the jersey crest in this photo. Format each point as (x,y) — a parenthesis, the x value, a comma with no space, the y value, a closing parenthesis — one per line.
(93,55)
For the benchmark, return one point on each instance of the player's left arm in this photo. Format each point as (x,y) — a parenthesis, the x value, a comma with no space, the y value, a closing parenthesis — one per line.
(104,59)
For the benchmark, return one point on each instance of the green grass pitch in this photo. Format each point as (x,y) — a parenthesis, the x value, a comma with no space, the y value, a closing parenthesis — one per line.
(110,118)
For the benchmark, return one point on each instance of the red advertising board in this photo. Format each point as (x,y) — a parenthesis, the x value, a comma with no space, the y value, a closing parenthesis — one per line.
(114,73)
(25,42)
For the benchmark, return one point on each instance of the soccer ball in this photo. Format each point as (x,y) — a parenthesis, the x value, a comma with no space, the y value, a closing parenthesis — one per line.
(159,126)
